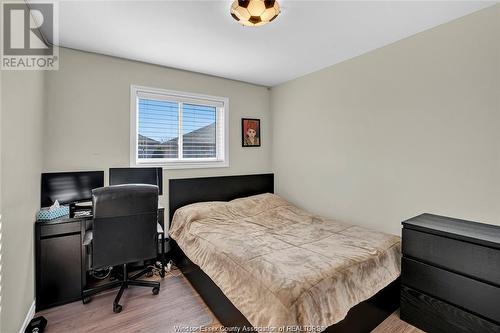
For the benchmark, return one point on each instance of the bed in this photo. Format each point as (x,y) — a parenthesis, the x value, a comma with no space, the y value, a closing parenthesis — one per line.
(259,261)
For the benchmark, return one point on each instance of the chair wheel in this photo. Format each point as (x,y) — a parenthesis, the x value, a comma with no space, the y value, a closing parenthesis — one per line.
(156,290)
(86,300)
(117,308)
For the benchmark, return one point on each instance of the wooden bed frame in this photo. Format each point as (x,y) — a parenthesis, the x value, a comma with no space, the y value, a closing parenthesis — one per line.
(363,317)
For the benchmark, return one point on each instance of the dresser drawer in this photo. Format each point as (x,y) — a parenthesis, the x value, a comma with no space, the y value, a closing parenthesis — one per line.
(472,295)
(466,258)
(433,315)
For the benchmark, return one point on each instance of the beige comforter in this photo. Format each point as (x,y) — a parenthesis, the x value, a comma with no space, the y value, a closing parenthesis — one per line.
(282,266)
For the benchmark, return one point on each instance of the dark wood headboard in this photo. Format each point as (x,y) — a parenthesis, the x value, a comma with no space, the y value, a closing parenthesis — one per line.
(182,192)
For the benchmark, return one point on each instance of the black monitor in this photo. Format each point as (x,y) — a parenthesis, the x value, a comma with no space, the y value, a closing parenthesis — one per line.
(151,176)
(69,187)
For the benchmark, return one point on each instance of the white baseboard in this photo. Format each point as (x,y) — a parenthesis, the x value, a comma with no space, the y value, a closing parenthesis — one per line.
(29,316)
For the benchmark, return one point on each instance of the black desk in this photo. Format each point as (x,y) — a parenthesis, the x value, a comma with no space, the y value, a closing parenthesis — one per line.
(58,259)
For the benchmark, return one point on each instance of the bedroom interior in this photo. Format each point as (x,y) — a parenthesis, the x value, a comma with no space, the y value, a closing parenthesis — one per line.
(229,165)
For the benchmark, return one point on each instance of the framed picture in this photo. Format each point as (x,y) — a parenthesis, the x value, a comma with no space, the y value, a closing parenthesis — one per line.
(250,132)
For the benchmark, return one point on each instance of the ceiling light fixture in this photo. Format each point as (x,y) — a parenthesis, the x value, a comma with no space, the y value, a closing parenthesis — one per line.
(254,13)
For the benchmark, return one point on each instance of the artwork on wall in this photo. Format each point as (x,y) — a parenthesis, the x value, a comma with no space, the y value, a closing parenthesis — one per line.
(250,132)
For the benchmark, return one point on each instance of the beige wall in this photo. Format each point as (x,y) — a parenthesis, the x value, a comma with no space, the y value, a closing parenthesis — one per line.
(88,114)
(21,137)
(409,128)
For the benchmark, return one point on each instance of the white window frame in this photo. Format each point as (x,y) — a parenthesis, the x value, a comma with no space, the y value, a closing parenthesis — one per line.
(222,104)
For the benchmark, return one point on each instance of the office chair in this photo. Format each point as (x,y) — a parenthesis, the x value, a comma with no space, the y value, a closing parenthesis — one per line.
(124,231)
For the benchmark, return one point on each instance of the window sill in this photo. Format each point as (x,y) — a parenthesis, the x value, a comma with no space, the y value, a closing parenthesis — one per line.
(184,165)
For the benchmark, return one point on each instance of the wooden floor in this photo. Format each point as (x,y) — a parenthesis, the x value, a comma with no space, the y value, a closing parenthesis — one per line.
(177,304)
(391,325)
(395,325)
(144,312)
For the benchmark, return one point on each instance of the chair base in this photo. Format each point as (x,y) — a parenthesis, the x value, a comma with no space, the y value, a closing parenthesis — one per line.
(123,284)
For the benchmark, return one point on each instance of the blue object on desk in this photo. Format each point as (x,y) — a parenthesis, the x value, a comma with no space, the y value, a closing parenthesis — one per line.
(47,214)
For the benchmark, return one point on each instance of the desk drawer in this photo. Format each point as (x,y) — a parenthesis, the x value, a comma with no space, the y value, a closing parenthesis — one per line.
(478,297)
(466,258)
(51,230)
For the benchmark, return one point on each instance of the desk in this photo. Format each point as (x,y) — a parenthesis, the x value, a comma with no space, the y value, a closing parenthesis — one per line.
(58,259)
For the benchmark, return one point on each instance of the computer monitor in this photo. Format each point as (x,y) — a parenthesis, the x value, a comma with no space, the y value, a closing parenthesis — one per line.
(151,176)
(69,187)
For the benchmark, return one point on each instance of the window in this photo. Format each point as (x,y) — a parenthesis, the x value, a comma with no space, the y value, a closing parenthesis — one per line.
(178,130)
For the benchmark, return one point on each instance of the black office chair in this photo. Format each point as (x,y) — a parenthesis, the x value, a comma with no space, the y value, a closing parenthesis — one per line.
(124,231)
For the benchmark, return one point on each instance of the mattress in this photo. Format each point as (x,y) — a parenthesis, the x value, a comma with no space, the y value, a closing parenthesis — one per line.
(282,266)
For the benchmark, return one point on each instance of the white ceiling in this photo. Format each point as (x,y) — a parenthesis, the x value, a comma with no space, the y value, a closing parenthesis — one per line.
(201,36)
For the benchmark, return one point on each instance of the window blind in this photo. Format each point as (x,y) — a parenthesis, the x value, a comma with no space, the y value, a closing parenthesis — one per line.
(199,131)
(176,128)
(158,129)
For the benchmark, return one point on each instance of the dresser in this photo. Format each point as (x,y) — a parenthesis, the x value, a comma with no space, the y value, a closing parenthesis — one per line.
(450,275)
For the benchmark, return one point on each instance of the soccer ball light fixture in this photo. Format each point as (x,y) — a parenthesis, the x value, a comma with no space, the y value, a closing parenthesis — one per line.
(254,13)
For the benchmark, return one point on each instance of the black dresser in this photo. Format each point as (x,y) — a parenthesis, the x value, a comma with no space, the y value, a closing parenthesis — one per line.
(450,275)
